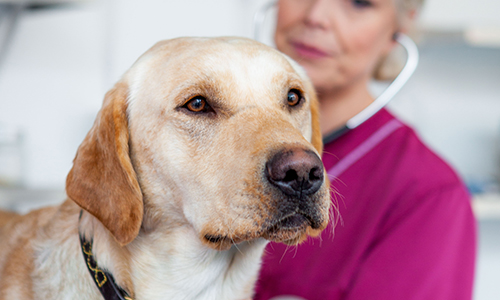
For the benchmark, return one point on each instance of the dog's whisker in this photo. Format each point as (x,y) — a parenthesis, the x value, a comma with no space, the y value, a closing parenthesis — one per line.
(236,246)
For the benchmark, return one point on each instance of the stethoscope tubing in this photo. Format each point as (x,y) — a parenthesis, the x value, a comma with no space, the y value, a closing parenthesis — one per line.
(411,64)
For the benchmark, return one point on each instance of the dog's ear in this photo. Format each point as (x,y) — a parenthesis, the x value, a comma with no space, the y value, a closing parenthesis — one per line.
(102,180)
(316,139)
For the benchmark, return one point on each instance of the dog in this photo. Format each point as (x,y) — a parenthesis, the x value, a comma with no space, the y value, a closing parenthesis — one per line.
(205,150)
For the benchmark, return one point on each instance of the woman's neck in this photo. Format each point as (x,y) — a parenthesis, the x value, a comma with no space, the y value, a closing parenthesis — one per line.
(339,105)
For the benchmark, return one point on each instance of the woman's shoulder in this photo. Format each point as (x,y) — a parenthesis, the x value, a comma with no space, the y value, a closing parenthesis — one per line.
(386,158)
(417,160)
(389,147)
(419,176)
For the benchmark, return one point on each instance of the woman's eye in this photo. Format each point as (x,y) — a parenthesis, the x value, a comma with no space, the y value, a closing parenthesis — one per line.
(361,3)
(198,104)
(294,97)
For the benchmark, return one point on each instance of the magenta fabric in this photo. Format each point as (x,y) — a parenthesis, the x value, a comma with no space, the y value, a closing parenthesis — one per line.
(406,229)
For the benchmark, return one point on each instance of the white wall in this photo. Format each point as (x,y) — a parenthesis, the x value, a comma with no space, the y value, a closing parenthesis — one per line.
(460,14)
(453,100)
(63,60)
(51,84)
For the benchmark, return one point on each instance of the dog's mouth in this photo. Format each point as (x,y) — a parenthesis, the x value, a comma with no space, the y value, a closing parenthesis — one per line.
(292,221)
(290,229)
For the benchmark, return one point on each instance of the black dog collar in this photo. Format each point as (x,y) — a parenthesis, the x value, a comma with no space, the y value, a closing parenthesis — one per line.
(103,279)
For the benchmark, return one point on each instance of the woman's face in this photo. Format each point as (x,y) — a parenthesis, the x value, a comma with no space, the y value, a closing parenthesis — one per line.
(338,42)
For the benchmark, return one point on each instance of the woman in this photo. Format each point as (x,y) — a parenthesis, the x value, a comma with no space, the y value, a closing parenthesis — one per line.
(406,229)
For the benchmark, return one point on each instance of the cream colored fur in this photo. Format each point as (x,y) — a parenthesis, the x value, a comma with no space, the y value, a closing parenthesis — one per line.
(177,179)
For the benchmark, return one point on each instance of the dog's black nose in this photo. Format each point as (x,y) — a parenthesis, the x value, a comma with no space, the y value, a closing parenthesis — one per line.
(296,172)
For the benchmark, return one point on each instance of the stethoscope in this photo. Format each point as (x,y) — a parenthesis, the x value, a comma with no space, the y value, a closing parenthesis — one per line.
(382,100)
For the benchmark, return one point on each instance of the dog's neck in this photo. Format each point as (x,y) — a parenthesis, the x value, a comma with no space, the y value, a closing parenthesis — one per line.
(178,265)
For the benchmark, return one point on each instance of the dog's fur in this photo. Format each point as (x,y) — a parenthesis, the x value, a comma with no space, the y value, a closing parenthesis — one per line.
(177,203)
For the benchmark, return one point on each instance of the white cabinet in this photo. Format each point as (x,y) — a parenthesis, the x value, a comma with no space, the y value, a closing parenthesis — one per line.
(460,14)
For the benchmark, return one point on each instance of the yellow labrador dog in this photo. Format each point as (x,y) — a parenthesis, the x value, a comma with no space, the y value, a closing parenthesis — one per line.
(205,150)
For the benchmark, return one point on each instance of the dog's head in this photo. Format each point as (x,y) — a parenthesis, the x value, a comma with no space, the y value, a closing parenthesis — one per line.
(221,135)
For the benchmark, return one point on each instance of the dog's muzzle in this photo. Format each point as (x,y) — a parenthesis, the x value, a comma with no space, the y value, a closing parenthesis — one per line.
(297,175)
(294,181)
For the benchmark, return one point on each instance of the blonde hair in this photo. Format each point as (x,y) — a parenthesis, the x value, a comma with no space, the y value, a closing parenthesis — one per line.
(389,67)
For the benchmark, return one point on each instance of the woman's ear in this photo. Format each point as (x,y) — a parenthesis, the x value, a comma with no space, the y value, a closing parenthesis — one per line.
(102,180)
(407,21)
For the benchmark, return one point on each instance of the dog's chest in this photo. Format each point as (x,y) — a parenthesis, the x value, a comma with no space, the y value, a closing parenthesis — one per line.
(198,273)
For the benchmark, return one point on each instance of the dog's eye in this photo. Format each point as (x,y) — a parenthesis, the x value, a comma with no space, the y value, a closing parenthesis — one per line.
(197,105)
(294,97)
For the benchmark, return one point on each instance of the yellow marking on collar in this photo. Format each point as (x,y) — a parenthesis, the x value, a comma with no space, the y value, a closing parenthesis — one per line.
(96,274)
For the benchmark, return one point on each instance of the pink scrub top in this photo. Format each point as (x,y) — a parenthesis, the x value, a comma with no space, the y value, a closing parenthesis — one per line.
(406,229)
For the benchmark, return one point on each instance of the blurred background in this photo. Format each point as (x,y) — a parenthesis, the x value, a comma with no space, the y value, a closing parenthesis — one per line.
(59,57)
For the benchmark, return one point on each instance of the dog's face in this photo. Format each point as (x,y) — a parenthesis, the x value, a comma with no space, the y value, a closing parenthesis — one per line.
(223,136)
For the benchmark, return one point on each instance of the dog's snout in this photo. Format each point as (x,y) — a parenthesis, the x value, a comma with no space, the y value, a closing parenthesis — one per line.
(296,172)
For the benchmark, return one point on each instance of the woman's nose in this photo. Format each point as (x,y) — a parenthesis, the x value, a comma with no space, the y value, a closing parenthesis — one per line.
(318,14)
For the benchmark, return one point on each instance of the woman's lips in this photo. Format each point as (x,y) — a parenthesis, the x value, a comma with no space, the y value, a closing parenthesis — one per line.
(307,51)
